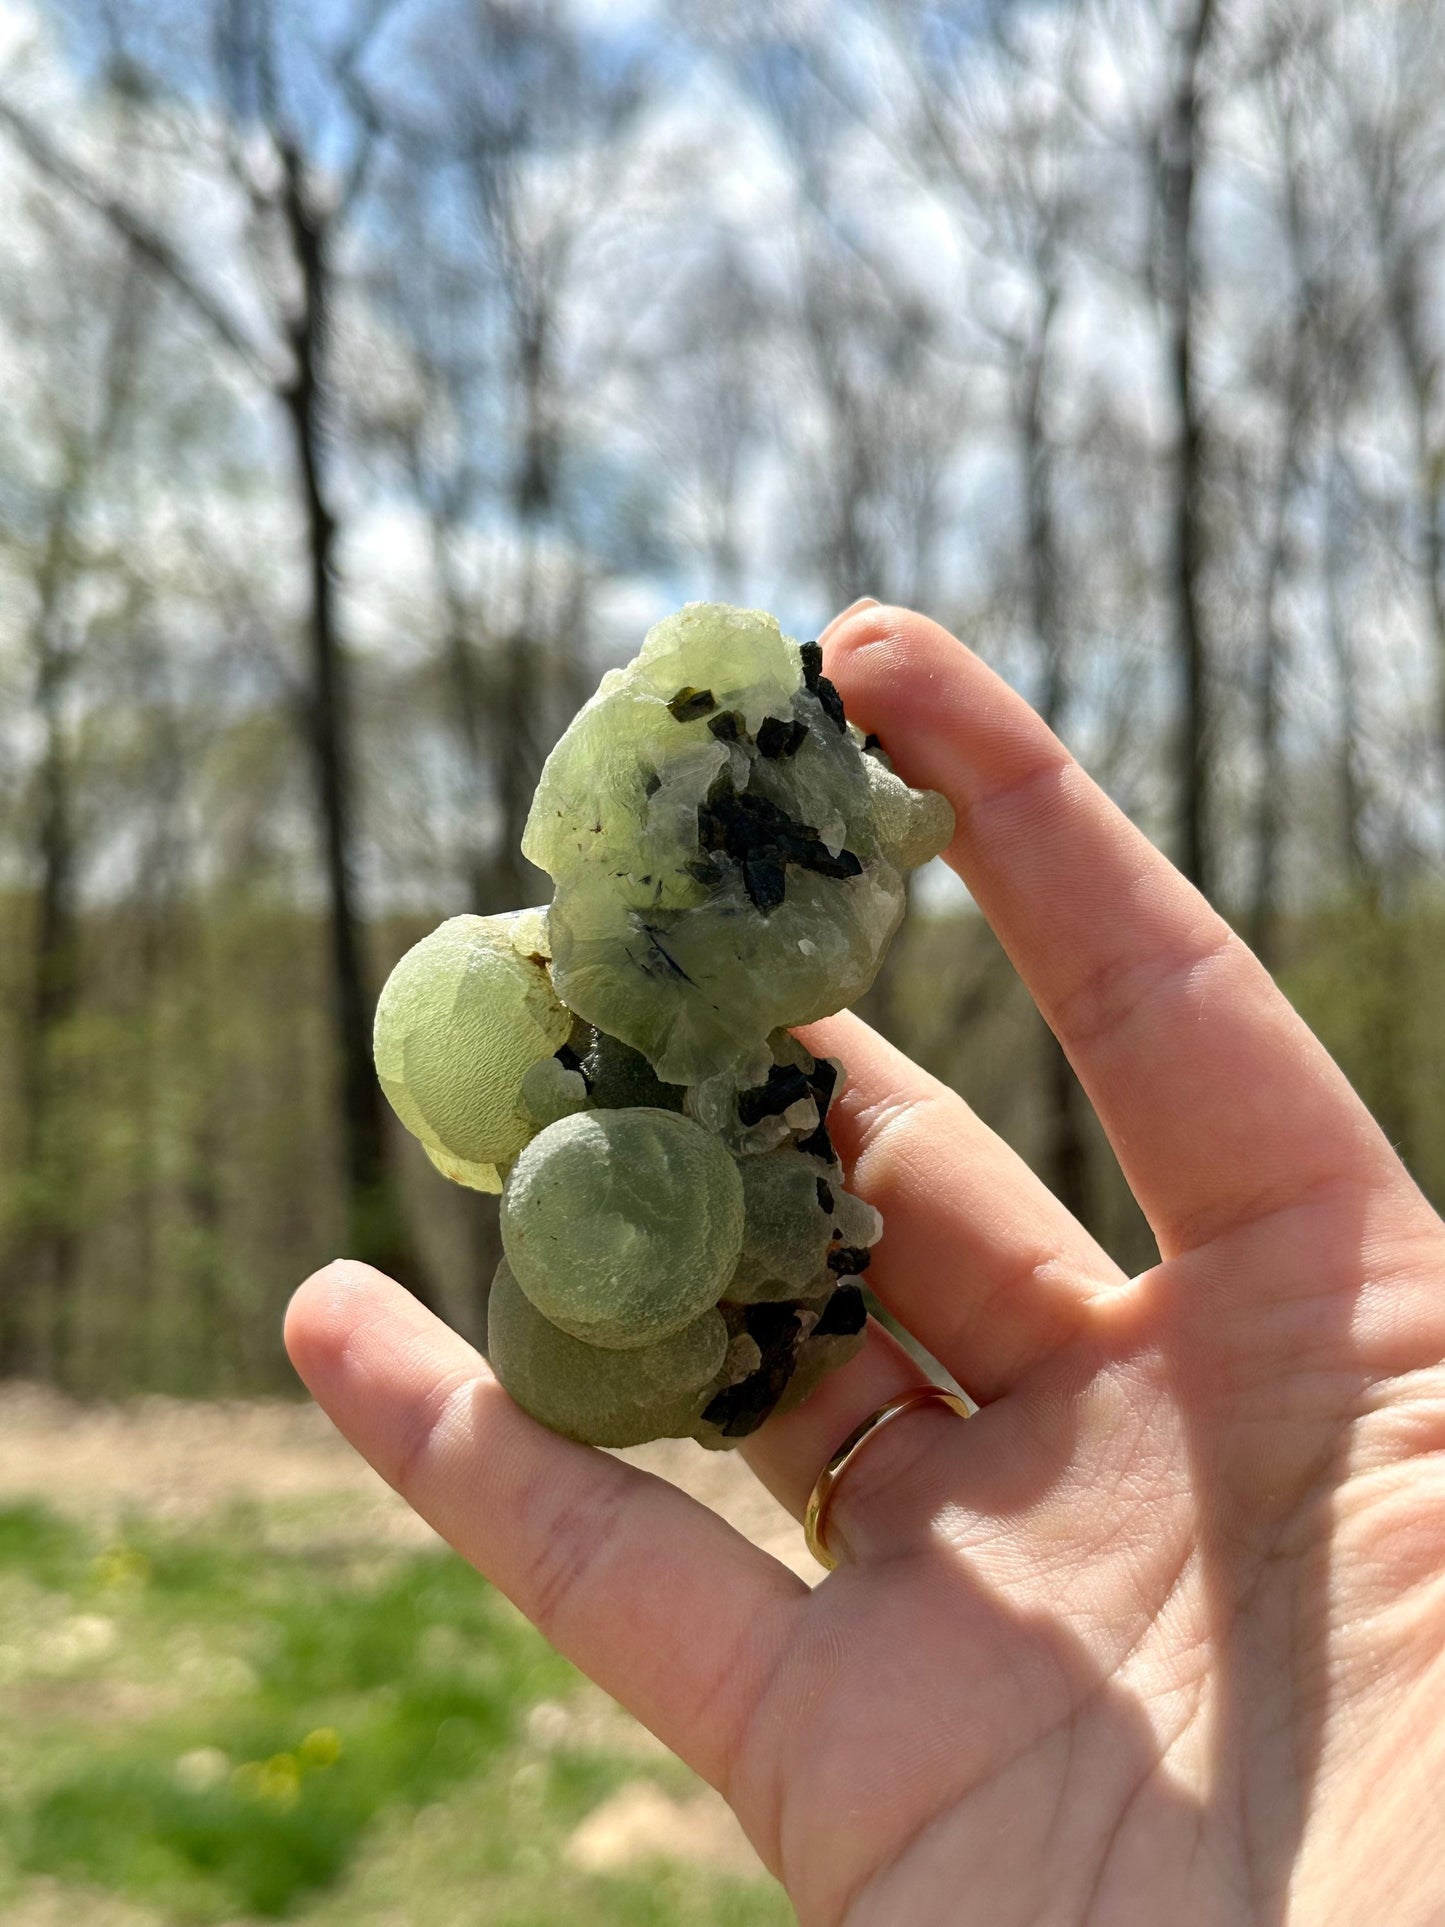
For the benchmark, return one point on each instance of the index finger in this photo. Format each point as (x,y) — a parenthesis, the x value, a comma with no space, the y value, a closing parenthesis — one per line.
(659,1600)
(1219,1102)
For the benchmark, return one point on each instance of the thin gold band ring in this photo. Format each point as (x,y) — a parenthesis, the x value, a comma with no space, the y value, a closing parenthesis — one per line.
(815,1519)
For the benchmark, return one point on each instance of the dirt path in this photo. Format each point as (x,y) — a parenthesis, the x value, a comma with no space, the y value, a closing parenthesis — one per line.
(180,1459)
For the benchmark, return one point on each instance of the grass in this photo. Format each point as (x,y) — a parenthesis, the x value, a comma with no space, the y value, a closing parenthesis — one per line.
(226,1723)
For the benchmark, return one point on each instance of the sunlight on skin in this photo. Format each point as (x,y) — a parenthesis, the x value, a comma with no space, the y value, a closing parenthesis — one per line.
(1146,1638)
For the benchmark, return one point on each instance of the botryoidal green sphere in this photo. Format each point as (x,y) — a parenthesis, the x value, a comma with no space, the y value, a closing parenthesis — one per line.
(622,1227)
(598,1396)
(463,1017)
(787,1226)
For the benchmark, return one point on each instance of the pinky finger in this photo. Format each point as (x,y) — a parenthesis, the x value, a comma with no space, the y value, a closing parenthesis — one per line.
(663,1604)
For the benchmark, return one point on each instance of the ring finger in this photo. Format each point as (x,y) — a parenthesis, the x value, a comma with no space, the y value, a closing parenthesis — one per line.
(910,1472)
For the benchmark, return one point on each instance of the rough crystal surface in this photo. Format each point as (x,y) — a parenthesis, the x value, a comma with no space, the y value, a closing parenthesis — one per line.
(729,855)
(720,871)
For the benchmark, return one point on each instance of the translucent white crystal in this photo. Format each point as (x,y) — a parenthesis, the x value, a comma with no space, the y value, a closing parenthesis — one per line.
(857,1222)
(913,825)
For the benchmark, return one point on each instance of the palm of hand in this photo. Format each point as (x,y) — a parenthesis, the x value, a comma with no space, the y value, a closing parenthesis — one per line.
(1145,1639)
(1163,1638)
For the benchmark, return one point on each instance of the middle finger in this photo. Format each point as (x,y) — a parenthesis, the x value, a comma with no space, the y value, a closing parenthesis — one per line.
(978,1258)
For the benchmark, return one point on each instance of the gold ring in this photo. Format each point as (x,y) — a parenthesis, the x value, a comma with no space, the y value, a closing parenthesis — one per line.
(816,1516)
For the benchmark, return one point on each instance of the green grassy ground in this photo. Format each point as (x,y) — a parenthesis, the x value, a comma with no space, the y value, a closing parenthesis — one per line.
(235,1720)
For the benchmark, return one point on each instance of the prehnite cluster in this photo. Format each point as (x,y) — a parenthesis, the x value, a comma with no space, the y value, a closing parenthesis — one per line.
(729,855)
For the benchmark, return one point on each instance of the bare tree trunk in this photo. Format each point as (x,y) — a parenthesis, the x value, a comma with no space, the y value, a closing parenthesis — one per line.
(520,691)
(43,1267)
(221,1332)
(1362,872)
(1422,381)
(377,1230)
(1407,276)
(153,936)
(1178,173)
(160,934)
(1387,996)
(49,1254)
(1269,810)
(1065,1150)
(515,753)
(469,701)
(466,686)
(377,1225)
(1269,803)
(851,562)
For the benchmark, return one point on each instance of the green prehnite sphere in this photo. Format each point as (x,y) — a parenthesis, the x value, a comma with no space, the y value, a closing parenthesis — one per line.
(598,1396)
(789,1210)
(463,1017)
(623,1226)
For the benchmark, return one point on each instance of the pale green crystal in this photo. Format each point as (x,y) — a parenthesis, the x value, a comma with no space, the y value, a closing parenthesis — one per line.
(623,1226)
(816,1358)
(598,1396)
(913,825)
(476,1175)
(461,1019)
(663,932)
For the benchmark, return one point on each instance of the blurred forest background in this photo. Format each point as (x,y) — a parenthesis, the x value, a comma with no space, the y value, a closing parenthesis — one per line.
(372,372)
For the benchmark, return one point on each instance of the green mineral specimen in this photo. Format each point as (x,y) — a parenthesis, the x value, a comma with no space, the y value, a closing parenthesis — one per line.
(729,857)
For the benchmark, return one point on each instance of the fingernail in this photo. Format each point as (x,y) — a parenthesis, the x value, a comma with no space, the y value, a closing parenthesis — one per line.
(341,1274)
(863,602)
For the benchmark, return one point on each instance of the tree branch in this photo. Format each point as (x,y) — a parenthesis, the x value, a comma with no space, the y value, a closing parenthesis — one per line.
(148,246)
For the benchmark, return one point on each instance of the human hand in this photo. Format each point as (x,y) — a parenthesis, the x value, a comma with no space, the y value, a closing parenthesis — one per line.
(1158,1635)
